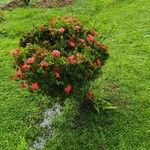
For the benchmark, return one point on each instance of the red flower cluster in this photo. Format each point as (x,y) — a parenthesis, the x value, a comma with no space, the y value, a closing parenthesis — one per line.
(90,38)
(68,89)
(77,28)
(30,60)
(25,67)
(82,41)
(56,73)
(35,86)
(19,73)
(24,85)
(43,53)
(44,64)
(55,53)
(89,95)
(15,53)
(72,59)
(72,43)
(61,30)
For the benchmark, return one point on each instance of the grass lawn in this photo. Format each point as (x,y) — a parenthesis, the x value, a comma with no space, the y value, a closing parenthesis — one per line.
(4,1)
(125,81)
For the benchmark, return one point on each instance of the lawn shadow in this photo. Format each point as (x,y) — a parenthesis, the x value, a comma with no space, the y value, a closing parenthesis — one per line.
(85,124)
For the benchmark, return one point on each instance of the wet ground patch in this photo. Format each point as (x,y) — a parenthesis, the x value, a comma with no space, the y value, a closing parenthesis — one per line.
(48,116)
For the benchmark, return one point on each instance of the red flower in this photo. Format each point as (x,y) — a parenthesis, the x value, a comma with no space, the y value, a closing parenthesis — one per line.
(15,52)
(55,53)
(36,50)
(72,43)
(72,59)
(43,53)
(82,41)
(90,38)
(17,63)
(34,86)
(68,89)
(25,67)
(61,30)
(89,95)
(98,62)
(52,23)
(30,60)
(24,85)
(19,73)
(77,27)
(44,64)
(94,33)
(57,74)
(104,47)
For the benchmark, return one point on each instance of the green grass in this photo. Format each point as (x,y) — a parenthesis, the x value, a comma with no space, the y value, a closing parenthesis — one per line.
(4,1)
(125,81)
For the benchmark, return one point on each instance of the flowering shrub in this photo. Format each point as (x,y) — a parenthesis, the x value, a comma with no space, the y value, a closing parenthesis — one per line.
(60,57)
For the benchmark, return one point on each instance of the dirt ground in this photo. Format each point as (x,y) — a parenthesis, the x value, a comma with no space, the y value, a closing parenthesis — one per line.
(52,3)
(40,4)
(11,5)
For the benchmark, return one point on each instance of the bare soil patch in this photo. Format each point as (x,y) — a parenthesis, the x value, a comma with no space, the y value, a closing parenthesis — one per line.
(39,4)
(12,5)
(53,3)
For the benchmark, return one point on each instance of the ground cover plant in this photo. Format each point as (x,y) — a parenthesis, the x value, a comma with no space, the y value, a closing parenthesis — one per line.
(125,81)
